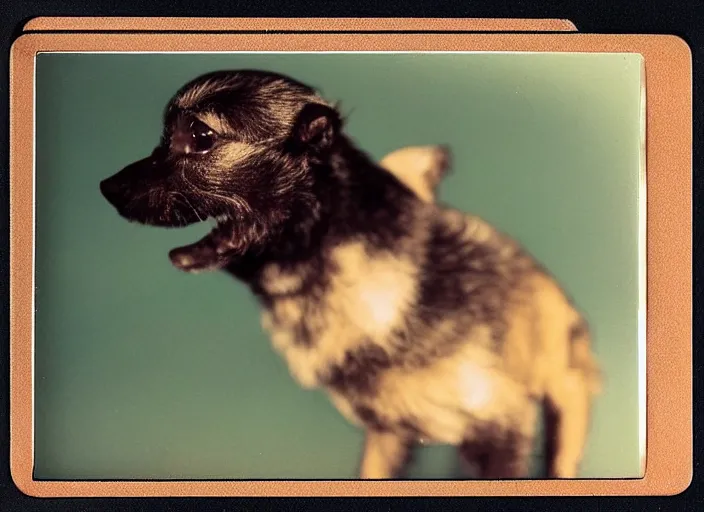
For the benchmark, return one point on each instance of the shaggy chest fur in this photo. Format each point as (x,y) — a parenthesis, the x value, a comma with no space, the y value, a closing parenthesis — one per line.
(399,341)
(355,306)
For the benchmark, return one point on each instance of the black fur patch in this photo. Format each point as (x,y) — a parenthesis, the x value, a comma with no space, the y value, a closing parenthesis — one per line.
(578,331)
(359,371)
(551,421)
(371,419)
(498,454)
(410,427)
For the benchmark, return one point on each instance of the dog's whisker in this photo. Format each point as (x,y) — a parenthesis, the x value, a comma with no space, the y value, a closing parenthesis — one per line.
(188,203)
(238,202)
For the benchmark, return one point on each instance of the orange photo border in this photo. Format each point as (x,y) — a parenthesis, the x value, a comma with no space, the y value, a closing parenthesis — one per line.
(668,75)
(111,24)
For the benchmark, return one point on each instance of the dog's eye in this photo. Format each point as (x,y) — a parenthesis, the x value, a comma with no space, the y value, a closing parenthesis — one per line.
(203,137)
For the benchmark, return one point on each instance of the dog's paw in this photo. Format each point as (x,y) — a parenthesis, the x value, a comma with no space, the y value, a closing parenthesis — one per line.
(195,259)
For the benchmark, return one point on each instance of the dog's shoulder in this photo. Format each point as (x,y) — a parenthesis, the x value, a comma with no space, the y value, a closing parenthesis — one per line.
(349,301)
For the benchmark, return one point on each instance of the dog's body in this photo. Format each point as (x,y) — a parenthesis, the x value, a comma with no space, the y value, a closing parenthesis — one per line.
(419,321)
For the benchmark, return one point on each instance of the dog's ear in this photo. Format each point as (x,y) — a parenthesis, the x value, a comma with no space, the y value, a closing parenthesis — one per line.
(316,128)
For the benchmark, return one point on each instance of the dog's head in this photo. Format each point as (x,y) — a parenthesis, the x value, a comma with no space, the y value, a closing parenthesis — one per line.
(238,147)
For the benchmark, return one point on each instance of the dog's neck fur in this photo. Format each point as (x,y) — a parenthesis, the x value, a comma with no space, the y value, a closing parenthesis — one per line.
(358,193)
(355,200)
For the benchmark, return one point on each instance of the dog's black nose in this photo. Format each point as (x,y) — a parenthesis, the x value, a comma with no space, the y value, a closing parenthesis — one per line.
(109,189)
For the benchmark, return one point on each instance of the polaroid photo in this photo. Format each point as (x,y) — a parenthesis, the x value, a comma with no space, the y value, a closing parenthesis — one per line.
(258,257)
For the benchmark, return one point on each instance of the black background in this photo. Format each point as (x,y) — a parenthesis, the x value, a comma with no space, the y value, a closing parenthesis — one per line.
(684,19)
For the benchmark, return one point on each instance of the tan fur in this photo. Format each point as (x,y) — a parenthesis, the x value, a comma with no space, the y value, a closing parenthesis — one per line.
(536,360)
(383,455)
(420,168)
(214,85)
(569,375)
(442,394)
(278,282)
(554,366)
(354,309)
(234,153)
(572,397)
(196,93)
(213,120)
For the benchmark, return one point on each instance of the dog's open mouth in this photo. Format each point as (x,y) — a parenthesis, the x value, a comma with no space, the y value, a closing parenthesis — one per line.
(211,252)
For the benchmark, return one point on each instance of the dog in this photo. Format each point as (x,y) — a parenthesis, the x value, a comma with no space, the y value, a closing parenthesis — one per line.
(423,324)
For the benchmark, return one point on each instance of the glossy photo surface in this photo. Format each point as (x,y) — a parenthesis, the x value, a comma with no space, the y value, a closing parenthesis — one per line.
(142,371)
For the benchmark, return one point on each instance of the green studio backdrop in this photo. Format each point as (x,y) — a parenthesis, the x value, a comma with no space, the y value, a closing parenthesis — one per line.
(142,371)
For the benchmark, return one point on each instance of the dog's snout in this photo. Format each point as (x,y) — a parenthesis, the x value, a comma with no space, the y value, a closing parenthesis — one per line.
(110,189)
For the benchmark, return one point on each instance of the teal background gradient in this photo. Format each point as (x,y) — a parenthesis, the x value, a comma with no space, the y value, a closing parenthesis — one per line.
(142,371)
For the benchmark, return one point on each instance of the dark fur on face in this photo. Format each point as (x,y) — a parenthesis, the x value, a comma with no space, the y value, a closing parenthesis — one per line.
(418,320)
(239,148)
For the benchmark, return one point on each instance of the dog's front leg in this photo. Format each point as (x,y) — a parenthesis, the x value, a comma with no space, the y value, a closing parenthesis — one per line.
(384,455)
